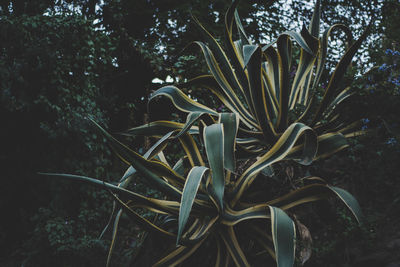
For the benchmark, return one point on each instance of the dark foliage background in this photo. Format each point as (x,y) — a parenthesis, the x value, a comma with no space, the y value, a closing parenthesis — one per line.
(62,61)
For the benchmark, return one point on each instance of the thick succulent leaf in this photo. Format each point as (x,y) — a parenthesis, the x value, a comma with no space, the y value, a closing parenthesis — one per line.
(304,69)
(242,33)
(226,88)
(191,118)
(296,36)
(162,205)
(143,222)
(284,237)
(233,246)
(114,237)
(158,129)
(285,56)
(337,76)
(278,152)
(231,124)
(273,70)
(315,20)
(234,51)
(222,60)
(258,92)
(150,169)
(350,202)
(328,144)
(188,195)
(191,149)
(181,101)
(214,144)
(319,190)
(155,149)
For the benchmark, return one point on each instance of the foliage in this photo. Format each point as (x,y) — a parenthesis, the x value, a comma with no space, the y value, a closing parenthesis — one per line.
(206,194)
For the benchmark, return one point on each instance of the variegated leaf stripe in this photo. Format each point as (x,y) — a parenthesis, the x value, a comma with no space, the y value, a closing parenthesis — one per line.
(231,125)
(284,57)
(304,67)
(235,50)
(350,202)
(278,152)
(270,98)
(150,169)
(305,194)
(214,145)
(229,237)
(113,238)
(222,60)
(191,150)
(283,236)
(143,222)
(181,101)
(328,144)
(158,128)
(188,195)
(338,74)
(321,59)
(258,94)
(226,87)
(163,205)
(273,70)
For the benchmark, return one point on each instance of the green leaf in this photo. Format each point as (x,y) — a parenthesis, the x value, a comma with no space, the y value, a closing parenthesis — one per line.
(231,124)
(283,236)
(181,101)
(214,144)
(158,129)
(350,202)
(189,194)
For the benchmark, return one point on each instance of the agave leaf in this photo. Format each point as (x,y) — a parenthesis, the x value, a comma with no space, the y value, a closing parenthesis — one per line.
(152,170)
(191,149)
(226,88)
(304,68)
(222,60)
(231,124)
(143,222)
(338,74)
(181,101)
(258,92)
(283,235)
(272,69)
(191,119)
(155,149)
(285,56)
(278,152)
(189,194)
(233,246)
(214,144)
(328,144)
(315,20)
(158,129)
(350,202)
(162,205)
(114,236)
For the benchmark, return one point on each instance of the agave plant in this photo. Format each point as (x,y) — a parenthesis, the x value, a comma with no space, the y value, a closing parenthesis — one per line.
(206,198)
(254,82)
(207,202)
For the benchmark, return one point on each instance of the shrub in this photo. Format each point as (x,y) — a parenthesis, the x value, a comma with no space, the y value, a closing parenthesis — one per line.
(212,196)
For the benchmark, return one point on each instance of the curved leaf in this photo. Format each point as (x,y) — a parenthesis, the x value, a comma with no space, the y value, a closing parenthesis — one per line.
(283,236)
(188,195)
(214,144)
